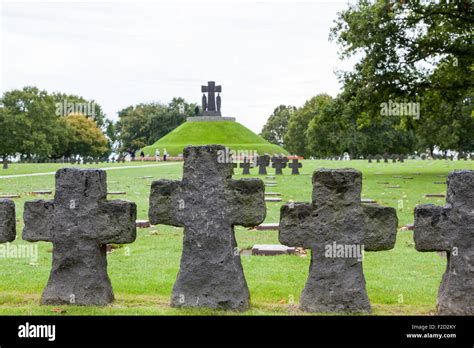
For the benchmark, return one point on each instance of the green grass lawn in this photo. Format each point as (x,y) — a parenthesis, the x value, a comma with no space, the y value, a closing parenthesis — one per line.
(399,281)
(231,134)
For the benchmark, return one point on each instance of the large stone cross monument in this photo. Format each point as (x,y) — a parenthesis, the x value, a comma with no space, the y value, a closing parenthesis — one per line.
(211,105)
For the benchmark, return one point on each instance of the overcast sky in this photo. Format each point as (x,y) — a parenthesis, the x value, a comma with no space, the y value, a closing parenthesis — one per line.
(263,53)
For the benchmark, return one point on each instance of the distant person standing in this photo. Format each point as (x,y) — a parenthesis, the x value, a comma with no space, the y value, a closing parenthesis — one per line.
(157,154)
(165,155)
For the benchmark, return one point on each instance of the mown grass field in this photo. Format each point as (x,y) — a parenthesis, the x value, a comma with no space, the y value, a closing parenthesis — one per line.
(400,281)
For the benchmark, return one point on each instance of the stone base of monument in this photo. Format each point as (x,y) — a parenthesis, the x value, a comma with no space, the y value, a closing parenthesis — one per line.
(210,119)
(272,249)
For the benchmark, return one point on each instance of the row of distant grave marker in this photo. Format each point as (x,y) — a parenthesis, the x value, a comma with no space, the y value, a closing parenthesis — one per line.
(85,160)
(401,158)
(277,162)
(386,158)
(208,203)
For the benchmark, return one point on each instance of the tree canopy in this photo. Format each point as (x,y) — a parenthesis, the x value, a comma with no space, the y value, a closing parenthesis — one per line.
(144,124)
(412,55)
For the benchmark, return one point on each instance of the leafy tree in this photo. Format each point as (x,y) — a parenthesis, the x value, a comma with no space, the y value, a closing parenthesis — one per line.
(144,124)
(295,139)
(277,124)
(86,139)
(416,51)
(28,123)
(79,105)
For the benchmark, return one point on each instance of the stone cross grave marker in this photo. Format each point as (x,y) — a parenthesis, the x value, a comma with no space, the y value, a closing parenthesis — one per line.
(7,221)
(246,165)
(451,229)
(378,158)
(208,203)
(279,162)
(263,162)
(370,158)
(294,165)
(385,157)
(337,227)
(80,222)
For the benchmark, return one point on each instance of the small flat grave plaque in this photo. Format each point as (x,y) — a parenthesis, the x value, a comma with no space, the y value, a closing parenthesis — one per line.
(10,196)
(435,195)
(117,193)
(143,223)
(268,227)
(46,192)
(272,194)
(272,199)
(367,200)
(272,249)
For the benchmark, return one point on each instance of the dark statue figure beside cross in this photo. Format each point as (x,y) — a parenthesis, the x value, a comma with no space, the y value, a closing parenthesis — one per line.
(211,105)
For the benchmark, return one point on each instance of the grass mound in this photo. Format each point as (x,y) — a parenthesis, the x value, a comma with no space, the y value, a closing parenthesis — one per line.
(230,134)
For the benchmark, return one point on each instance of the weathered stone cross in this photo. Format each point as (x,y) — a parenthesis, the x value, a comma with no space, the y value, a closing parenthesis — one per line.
(451,229)
(7,221)
(208,203)
(337,228)
(79,222)
(263,162)
(294,165)
(246,165)
(279,162)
